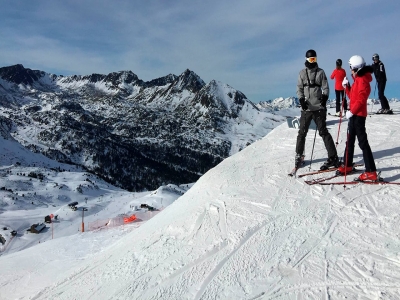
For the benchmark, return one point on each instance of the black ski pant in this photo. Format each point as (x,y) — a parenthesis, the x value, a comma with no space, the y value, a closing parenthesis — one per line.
(381,95)
(340,95)
(356,128)
(319,117)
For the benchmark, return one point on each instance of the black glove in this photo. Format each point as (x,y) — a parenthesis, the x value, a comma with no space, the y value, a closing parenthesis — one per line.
(303,103)
(324,98)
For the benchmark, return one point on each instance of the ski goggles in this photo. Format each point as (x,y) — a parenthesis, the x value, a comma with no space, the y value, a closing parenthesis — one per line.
(355,69)
(311,60)
(375,57)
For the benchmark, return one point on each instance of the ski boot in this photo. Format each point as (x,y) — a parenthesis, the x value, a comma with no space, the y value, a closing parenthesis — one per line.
(368,176)
(298,162)
(345,170)
(332,161)
(387,112)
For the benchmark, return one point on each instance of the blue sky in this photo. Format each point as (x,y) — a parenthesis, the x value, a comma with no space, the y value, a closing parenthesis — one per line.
(257,47)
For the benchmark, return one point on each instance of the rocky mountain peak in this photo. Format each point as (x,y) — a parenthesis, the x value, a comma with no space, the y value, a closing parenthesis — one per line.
(18,74)
(93,78)
(220,99)
(190,81)
(162,81)
(116,78)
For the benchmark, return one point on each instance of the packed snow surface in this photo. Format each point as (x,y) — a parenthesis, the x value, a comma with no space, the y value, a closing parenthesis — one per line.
(245,230)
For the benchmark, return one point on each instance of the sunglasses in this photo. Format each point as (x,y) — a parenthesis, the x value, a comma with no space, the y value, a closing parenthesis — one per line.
(311,59)
(375,58)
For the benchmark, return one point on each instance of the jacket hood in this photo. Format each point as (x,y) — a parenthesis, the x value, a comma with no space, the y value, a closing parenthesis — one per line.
(365,70)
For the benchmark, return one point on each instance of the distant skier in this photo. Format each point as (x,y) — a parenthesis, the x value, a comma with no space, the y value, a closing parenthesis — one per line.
(339,74)
(313,92)
(357,114)
(380,77)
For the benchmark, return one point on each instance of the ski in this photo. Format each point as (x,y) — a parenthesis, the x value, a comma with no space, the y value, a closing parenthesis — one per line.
(334,115)
(376,113)
(317,172)
(357,182)
(320,180)
(323,171)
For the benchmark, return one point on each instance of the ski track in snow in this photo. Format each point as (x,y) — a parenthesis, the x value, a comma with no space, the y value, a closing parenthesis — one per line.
(246,230)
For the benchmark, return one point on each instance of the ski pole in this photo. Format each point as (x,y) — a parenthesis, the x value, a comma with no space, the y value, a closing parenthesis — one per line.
(373,102)
(312,151)
(372,106)
(340,120)
(347,156)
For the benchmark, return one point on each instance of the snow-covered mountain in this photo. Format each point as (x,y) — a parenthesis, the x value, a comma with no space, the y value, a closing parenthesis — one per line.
(137,135)
(279,103)
(33,186)
(245,230)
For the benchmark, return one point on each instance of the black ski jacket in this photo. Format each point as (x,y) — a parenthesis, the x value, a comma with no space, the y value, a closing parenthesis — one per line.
(379,71)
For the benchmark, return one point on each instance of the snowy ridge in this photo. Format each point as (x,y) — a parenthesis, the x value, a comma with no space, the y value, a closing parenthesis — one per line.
(245,230)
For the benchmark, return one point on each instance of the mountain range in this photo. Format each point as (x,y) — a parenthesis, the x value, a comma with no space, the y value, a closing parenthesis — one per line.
(135,134)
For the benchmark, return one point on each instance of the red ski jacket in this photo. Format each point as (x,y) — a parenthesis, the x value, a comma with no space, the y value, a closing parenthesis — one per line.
(338,75)
(360,91)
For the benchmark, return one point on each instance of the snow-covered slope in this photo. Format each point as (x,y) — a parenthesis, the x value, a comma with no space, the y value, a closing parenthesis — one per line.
(245,230)
(33,186)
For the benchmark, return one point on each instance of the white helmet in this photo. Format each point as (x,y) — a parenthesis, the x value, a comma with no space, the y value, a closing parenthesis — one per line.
(356,62)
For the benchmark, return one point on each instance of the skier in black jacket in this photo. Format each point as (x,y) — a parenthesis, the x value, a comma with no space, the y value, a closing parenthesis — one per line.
(380,77)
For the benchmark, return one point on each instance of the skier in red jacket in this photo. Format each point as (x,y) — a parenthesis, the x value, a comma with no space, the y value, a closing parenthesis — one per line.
(357,114)
(339,74)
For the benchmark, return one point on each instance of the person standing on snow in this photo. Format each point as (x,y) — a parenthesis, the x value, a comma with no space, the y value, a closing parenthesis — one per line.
(313,92)
(339,74)
(357,115)
(380,77)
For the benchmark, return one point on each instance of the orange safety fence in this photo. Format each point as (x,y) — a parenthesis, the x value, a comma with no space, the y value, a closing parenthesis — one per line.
(130,219)
(138,217)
